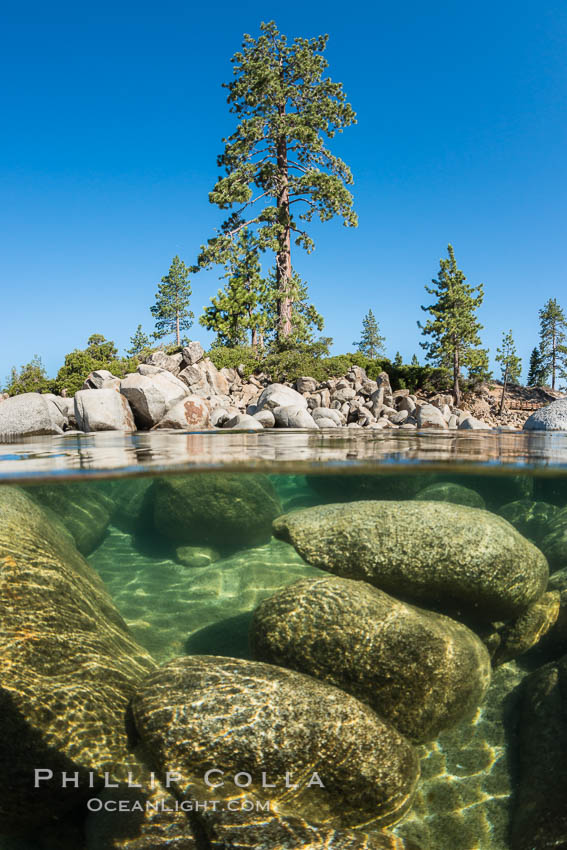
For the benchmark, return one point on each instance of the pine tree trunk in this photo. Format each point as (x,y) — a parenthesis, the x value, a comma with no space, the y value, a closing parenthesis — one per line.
(500,412)
(283,258)
(553,360)
(254,338)
(456,374)
(177,329)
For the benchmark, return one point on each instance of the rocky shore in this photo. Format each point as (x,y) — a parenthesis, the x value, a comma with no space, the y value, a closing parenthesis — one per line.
(186,391)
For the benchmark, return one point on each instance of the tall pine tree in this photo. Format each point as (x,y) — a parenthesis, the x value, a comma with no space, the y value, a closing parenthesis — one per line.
(453,326)
(537,373)
(278,170)
(171,310)
(552,334)
(371,344)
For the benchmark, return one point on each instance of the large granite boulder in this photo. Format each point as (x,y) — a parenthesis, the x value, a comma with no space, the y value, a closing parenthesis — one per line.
(85,509)
(68,669)
(278,395)
(239,718)
(188,414)
(28,415)
(192,353)
(429,416)
(419,670)
(103,410)
(454,557)
(293,416)
(150,396)
(552,417)
(540,811)
(215,508)
(170,363)
(101,379)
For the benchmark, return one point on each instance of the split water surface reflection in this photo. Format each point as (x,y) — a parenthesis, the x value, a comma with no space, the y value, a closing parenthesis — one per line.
(284,641)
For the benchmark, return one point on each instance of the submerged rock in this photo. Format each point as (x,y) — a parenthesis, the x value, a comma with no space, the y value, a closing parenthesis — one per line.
(522,634)
(331,488)
(419,670)
(243,717)
(277,831)
(531,519)
(85,509)
(215,508)
(540,812)
(445,491)
(452,556)
(69,667)
(554,543)
(196,556)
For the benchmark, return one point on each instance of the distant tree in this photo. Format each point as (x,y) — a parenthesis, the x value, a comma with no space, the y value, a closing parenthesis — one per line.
(139,343)
(371,344)
(100,353)
(537,373)
(454,327)
(30,378)
(507,356)
(171,310)
(552,335)
(276,157)
(414,360)
(398,360)
(101,349)
(244,306)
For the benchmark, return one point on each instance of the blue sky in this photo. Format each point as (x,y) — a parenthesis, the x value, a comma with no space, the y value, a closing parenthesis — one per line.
(113,115)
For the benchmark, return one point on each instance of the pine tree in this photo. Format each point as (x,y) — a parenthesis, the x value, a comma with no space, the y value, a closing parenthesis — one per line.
(454,327)
(243,306)
(537,373)
(276,157)
(552,335)
(171,310)
(100,348)
(371,344)
(507,356)
(414,360)
(398,361)
(139,342)
(30,378)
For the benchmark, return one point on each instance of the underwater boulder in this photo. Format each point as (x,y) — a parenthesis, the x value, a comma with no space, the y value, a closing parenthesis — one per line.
(215,508)
(263,729)
(419,670)
(531,519)
(331,488)
(446,491)
(554,543)
(529,629)
(496,490)
(453,557)
(540,810)
(271,830)
(85,509)
(68,668)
